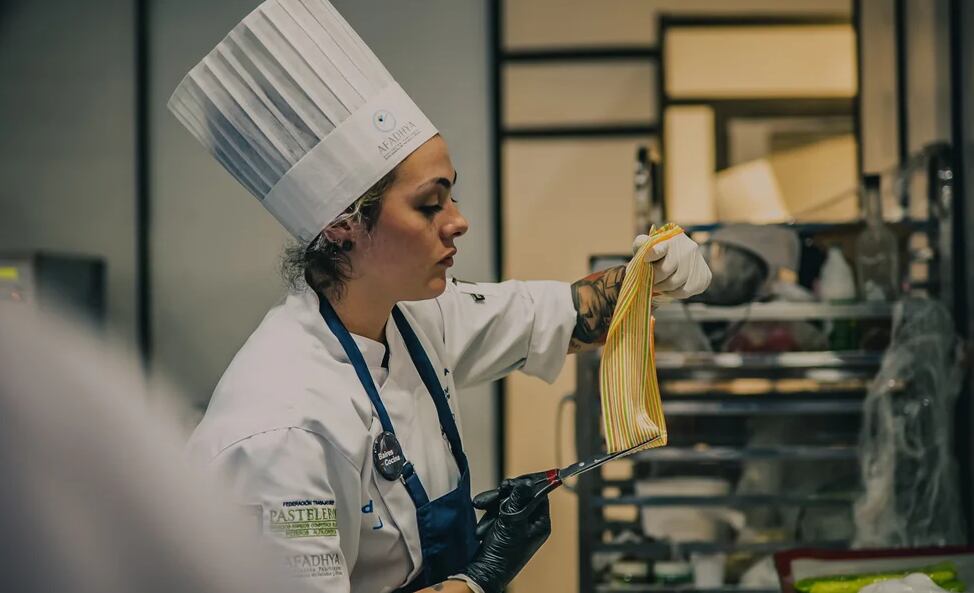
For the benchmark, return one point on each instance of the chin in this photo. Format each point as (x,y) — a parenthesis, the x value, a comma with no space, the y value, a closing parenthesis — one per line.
(434,288)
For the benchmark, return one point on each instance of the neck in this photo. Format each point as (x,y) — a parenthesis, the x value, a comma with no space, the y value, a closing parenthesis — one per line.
(363,312)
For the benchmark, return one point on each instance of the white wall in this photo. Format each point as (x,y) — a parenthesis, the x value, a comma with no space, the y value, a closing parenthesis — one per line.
(67,137)
(216,252)
(214,249)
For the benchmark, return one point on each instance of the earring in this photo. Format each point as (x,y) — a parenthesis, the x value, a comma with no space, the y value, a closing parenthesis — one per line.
(347,245)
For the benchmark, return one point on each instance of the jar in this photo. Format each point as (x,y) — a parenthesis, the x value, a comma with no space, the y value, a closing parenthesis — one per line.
(629,572)
(676,572)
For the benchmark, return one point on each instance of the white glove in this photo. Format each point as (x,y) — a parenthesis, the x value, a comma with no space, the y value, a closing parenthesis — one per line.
(679,271)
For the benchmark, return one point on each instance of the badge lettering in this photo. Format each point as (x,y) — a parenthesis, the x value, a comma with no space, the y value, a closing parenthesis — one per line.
(304,518)
(370,509)
(395,140)
(387,456)
(315,565)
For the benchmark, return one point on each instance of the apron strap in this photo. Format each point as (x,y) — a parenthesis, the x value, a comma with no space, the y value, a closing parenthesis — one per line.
(424,367)
(432,380)
(358,362)
(410,479)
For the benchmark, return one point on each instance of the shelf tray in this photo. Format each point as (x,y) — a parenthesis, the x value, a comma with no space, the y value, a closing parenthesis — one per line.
(825,366)
(789,452)
(663,549)
(777,311)
(754,500)
(743,405)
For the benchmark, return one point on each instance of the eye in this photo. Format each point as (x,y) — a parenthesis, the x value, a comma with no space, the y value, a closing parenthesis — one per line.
(430,211)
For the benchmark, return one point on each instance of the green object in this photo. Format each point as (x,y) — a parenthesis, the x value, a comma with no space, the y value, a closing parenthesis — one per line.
(941,573)
(955,586)
(673,573)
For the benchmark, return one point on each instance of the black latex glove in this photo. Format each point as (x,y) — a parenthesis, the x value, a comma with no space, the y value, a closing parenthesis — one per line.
(519,526)
(490,501)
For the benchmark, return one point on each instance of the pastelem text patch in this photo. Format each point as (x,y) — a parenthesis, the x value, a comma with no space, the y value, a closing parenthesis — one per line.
(303,518)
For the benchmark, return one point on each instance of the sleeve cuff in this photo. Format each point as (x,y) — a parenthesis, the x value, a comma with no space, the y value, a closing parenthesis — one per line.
(551,330)
(470,583)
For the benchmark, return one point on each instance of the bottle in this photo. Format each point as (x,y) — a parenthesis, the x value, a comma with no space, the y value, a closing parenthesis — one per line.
(642,184)
(877,251)
(838,287)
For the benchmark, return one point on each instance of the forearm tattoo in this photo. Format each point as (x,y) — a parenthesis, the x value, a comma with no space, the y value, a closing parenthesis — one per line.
(595,299)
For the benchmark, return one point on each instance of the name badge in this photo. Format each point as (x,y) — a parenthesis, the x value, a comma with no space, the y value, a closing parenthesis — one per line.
(387,456)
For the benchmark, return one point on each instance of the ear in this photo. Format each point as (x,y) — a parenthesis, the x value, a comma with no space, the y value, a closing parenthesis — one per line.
(339,232)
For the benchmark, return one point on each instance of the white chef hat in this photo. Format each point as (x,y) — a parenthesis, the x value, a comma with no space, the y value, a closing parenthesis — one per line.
(300,111)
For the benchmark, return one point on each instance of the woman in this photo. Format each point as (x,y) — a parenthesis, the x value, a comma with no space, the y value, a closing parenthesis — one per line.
(335,422)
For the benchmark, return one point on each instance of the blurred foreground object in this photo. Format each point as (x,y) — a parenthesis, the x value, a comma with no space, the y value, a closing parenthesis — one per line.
(912,496)
(96,497)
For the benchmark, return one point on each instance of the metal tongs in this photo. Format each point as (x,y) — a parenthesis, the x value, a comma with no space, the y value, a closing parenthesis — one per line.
(545,482)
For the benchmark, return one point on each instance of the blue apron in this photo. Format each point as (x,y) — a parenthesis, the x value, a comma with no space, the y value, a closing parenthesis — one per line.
(447,525)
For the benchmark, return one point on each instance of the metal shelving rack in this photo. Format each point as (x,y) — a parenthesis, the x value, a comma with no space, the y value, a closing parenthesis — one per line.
(592,487)
(848,371)
(844,375)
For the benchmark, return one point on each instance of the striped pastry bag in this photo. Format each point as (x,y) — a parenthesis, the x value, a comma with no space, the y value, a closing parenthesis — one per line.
(632,413)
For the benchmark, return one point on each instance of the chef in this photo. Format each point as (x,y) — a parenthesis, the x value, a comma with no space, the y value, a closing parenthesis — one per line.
(336,423)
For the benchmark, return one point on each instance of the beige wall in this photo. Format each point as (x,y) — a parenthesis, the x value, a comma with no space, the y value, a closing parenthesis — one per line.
(879,138)
(689,165)
(581,93)
(553,23)
(806,61)
(563,200)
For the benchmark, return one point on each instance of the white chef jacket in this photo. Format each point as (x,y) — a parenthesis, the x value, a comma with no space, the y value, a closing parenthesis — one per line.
(291,427)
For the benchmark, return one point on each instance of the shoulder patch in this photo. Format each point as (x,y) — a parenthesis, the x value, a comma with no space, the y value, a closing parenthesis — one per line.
(303,518)
(315,565)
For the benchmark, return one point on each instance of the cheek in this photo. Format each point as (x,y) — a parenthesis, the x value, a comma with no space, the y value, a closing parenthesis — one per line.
(395,245)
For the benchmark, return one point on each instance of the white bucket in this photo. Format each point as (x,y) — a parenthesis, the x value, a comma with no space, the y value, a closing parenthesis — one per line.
(686,524)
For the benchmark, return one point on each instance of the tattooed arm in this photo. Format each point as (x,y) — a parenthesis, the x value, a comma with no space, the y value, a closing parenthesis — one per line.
(595,300)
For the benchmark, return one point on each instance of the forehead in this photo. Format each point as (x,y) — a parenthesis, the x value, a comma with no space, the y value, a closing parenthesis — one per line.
(430,160)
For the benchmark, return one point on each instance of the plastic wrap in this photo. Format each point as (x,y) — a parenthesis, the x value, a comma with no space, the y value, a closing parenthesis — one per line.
(911,496)
(914,583)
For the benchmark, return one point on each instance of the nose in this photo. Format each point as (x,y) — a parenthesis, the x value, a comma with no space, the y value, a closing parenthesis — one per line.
(456,225)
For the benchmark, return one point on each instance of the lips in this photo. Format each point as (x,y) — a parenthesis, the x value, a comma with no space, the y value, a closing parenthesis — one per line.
(449,255)
(448,260)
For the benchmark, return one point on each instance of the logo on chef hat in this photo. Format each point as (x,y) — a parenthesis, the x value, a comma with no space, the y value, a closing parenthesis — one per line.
(384,121)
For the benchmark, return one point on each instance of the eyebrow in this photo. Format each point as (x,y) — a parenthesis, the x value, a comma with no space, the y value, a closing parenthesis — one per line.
(440,181)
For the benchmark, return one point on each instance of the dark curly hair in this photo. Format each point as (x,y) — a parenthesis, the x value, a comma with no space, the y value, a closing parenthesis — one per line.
(323,265)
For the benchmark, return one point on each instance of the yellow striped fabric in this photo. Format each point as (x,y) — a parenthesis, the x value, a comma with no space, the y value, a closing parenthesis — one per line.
(632,413)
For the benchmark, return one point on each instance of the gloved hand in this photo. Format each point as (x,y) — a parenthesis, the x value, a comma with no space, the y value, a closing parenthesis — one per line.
(515,527)
(490,500)
(679,270)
